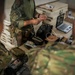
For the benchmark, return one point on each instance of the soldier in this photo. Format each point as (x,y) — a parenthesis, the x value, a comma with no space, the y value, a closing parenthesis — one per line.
(23,16)
(5,55)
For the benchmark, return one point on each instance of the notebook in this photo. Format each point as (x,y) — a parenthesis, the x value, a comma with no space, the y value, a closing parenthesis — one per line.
(62,26)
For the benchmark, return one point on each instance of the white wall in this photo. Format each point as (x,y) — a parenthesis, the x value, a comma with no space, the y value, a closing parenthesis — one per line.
(71,3)
(8,5)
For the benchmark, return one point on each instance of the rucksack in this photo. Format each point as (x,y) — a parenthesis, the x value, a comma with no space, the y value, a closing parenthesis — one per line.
(44,31)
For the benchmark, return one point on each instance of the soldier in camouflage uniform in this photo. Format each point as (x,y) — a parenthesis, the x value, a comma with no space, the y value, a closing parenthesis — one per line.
(23,16)
(5,55)
(56,58)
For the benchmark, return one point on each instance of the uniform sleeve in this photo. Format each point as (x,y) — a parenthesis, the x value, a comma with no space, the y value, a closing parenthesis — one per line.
(19,53)
(16,16)
(20,23)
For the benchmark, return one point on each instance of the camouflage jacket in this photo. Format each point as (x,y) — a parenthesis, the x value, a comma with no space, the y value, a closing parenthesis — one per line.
(54,59)
(5,58)
(21,12)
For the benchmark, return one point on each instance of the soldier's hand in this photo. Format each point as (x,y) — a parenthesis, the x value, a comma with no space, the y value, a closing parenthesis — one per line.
(35,21)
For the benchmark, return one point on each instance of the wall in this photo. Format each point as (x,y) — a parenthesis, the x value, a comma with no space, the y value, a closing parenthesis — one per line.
(8,5)
(71,3)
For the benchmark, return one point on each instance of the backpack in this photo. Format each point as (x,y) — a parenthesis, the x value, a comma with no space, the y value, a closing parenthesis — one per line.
(44,31)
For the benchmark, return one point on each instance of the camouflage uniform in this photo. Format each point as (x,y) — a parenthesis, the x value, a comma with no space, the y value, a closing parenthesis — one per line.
(6,56)
(54,59)
(25,10)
